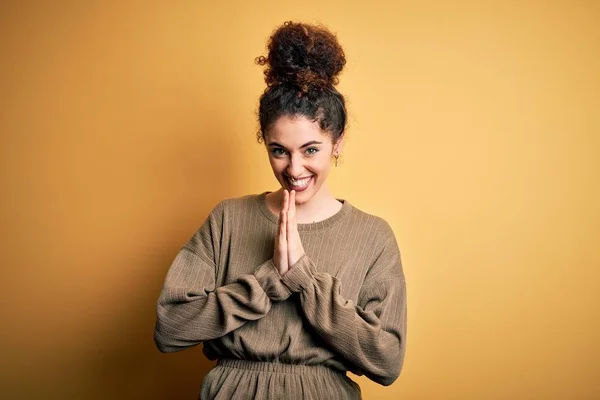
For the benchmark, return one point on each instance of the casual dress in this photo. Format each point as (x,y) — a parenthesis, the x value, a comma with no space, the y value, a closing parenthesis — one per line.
(341,307)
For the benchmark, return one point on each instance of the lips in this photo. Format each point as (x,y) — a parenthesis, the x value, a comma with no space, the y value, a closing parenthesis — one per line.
(299,184)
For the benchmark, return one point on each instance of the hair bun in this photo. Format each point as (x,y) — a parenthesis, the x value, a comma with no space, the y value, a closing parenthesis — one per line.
(306,56)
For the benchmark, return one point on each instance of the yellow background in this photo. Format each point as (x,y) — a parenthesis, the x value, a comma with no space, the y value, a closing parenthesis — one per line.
(474,130)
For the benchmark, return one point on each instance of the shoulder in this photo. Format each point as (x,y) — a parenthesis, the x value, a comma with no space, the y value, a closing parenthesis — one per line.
(381,228)
(386,264)
(232,203)
(385,244)
(227,215)
(232,206)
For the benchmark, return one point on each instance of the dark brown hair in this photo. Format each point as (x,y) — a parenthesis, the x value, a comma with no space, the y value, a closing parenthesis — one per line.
(301,72)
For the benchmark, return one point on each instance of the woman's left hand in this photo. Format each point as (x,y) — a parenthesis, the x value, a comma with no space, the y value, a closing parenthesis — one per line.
(294,244)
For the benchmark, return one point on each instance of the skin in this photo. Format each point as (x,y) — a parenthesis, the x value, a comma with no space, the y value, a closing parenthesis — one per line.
(298,148)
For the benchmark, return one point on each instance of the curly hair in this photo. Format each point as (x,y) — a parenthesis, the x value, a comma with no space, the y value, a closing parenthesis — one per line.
(301,71)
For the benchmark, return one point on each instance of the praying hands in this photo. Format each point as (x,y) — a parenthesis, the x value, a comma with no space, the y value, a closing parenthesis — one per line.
(288,246)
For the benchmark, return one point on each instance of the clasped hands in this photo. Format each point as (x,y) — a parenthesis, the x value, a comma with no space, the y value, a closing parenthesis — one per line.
(288,247)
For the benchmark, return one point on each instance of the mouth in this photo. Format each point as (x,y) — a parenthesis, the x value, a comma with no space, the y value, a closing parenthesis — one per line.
(298,185)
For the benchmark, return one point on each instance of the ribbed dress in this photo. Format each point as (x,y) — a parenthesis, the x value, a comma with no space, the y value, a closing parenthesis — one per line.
(341,307)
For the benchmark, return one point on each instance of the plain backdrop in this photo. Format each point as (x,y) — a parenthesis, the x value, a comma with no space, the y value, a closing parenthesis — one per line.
(474,131)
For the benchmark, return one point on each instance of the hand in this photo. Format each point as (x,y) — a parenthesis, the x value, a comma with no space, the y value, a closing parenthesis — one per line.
(295,249)
(280,255)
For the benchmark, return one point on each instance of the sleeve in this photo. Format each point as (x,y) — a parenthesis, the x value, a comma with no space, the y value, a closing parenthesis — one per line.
(191,309)
(371,334)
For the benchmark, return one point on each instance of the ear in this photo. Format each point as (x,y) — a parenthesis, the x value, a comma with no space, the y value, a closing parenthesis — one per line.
(337,147)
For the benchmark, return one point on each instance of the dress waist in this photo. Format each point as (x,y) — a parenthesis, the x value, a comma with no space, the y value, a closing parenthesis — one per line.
(275,367)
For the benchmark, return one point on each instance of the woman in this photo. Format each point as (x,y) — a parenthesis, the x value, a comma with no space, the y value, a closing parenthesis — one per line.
(290,289)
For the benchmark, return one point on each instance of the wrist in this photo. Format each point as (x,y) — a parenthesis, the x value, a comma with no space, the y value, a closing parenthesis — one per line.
(270,279)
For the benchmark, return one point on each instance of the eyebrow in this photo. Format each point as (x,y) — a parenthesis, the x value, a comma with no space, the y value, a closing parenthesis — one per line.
(275,144)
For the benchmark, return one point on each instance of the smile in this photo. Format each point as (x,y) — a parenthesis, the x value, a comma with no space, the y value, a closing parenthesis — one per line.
(300,184)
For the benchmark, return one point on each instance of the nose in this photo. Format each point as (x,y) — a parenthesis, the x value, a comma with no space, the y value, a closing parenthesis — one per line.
(295,167)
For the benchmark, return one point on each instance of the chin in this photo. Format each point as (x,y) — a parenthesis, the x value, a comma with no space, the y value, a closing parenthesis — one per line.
(306,196)
(302,199)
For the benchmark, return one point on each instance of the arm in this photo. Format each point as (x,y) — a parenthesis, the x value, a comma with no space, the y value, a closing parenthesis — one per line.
(370,334)
(191,309)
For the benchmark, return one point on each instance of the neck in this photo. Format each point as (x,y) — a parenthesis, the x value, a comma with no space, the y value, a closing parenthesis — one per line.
(320,205)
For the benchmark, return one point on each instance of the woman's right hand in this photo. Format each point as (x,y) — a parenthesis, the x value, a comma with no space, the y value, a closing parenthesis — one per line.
(280,255)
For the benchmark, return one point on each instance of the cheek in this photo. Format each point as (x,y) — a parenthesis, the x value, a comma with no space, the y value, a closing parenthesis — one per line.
(276,165)
(321,169)
(324,164)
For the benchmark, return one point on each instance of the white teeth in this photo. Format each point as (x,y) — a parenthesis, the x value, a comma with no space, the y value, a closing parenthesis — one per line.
(300,183)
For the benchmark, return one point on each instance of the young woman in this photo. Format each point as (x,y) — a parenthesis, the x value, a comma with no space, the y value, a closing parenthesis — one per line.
(290,289)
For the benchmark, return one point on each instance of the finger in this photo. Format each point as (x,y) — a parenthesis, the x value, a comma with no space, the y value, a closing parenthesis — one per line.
(283,242)
(292,211)
(285,201)
(291,222)
(285,264)
(282,226)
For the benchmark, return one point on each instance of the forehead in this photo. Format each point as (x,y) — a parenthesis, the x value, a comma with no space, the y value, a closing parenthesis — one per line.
(294,131)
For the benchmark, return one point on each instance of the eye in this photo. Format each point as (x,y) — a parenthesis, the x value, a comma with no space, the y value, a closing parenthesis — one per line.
(312,150)
(277,152)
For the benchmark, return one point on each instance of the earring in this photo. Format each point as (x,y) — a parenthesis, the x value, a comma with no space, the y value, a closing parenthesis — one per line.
(336,156)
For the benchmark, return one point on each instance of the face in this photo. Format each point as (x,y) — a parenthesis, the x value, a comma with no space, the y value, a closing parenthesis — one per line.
(300,156)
